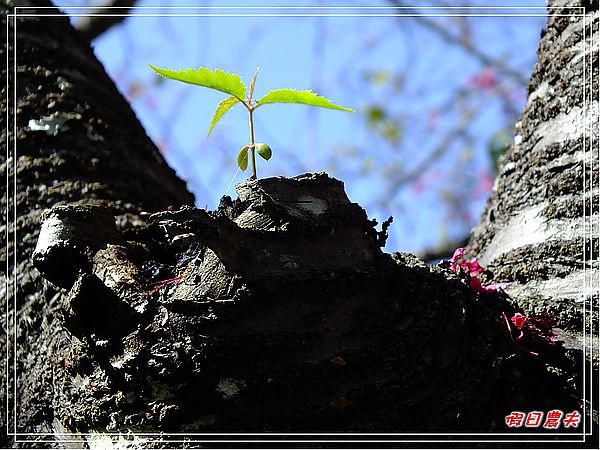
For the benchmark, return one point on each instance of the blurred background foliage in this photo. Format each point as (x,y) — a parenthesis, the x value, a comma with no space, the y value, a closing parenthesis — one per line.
(437,92)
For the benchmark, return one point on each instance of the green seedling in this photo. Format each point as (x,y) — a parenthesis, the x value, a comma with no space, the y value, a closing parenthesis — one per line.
(232,84)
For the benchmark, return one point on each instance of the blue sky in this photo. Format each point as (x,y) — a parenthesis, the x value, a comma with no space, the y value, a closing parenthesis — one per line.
(330,55)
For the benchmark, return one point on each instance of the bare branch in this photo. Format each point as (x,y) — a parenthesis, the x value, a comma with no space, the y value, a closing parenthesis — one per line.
(468,46)
(438,151)
(93,26)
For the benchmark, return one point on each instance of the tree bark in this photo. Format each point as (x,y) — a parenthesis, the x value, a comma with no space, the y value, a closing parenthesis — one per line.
(277,312)
(539,230)
(74,139)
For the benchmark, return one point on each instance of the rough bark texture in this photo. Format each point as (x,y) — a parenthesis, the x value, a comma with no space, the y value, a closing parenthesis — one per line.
(280,312)
(539,232)
(284,316)
(75,139)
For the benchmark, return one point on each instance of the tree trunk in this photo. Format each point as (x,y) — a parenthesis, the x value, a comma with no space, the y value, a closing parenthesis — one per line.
(74,139)
(277,312)
(539,231)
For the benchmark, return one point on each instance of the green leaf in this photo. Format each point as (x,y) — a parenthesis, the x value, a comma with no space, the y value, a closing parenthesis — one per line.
(222,108)
(264,150)
(303,97)
(243,158)
(229,83)
(251,88)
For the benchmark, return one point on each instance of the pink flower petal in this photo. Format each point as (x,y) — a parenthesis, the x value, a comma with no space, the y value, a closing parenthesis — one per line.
(472,267)
(534,330)
(518,320)
(477,286)
(458,255)
(484,80)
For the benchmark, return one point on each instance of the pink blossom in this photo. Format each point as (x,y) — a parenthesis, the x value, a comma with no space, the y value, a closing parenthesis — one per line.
(518,320)
(476,285)
(472,267)
(458,255)
(534,330)
(485,80)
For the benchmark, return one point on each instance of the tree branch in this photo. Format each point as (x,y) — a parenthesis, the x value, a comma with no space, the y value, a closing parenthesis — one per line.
(438,151)
(468,46)
(93,26)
